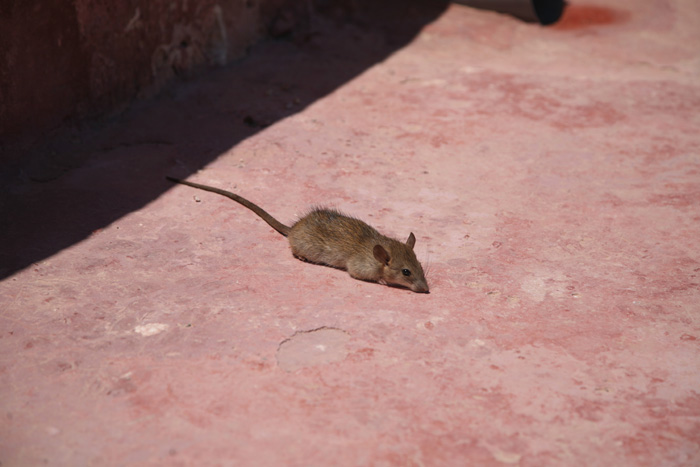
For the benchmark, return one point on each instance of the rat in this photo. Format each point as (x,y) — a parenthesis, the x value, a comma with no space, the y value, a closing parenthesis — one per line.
(326,236)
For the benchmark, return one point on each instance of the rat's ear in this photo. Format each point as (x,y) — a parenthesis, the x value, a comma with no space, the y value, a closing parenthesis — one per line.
(411,241)
(381,255)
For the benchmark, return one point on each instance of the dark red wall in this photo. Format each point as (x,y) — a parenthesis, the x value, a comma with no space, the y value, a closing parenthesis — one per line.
(70,59)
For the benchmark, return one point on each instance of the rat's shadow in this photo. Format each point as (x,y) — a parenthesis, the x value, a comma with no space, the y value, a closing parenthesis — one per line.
(119,164)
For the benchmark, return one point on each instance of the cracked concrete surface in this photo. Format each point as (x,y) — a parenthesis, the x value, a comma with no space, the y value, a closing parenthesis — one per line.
(311,348)
(550,176)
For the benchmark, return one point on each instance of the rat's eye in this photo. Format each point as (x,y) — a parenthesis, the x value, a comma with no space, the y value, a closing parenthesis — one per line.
(406,272)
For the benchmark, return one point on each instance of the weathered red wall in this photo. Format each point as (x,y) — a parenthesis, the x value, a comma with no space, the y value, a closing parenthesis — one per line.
(62,59)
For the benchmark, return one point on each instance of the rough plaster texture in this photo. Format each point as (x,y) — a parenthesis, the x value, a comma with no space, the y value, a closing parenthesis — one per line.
(550,176)
(64,60)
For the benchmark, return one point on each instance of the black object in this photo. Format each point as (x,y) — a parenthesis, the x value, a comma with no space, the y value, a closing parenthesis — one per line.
(542,11)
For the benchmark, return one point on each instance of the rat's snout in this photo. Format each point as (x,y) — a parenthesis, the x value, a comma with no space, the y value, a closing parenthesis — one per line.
(420,287)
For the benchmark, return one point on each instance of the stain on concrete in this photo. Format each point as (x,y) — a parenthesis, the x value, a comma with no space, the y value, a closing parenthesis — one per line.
(586,16)
(150,329)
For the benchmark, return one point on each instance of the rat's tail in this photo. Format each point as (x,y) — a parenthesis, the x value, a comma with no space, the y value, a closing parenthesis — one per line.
(274,223)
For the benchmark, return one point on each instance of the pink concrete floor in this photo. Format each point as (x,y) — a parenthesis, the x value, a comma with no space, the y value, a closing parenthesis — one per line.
(550,175)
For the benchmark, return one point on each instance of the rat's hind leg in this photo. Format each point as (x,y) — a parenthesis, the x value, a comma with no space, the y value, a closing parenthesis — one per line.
(359,268)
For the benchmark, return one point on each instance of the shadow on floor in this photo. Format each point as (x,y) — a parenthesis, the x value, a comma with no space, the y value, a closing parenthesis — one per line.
(80,180)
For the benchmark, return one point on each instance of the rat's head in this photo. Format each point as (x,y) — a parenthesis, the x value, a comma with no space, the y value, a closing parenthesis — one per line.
(400,265)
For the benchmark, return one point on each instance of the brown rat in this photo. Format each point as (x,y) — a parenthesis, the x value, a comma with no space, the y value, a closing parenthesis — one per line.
(325,236)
